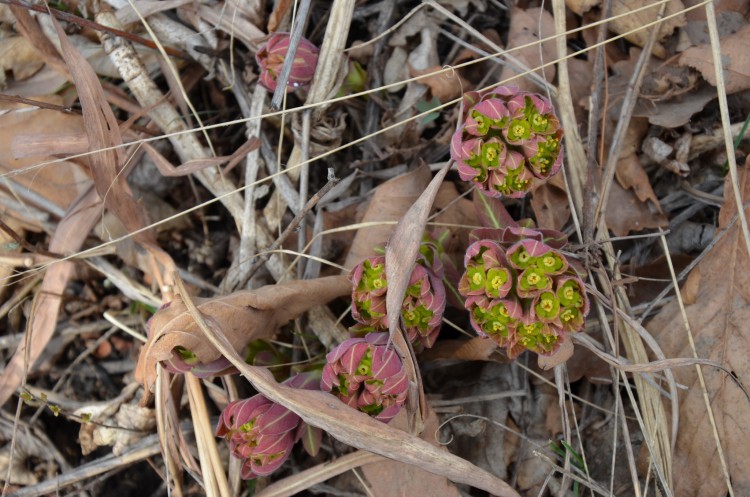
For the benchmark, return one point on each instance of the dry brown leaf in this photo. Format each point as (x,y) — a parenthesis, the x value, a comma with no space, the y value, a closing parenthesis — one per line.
(550,204)
(19,57)
(444,86)
(68,238)
(630,21)
(735,59)
(241,316)
(403,246)
(400,259)
(280,11)
(718,320)
(676,111)
(527,27)
(580,7)
(60,183)
(473,349)
(629,171)
(388,203)
(389,478)
(626,213)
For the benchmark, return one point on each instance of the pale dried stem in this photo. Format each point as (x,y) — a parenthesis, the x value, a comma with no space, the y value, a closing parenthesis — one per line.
(165,431)
(213,470)
(165,115)
(175,76)
(248,234)
(576,163)
(650,410)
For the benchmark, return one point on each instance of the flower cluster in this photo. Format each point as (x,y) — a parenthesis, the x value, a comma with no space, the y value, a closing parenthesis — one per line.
(424,302)
(367,374)
(261,432)
(509,141)
(270,58)
(521,290)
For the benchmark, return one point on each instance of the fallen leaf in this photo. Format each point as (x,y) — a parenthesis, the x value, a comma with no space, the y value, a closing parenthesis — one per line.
(629,170)
(473,349)
(389,478)
(580,7)
(625,20)
(60,183)
(735,59)
(241,316)
(527,27)
(550,204)
(19,57)
(389,202)
(676,111)
(443,85)
(626,213)
(718,319)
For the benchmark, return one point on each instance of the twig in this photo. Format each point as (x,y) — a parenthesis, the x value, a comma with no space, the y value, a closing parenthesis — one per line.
(332,180)
(593,128)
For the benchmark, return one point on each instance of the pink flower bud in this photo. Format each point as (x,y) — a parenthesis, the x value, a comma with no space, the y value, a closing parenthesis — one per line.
(270,58)
(367,374)
(259,431)
(262,432)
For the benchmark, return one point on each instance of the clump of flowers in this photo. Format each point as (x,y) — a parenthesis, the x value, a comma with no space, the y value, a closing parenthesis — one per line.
(509,141)
(367,374)
(423,305)
(261,432)
(270,58)
(521,290)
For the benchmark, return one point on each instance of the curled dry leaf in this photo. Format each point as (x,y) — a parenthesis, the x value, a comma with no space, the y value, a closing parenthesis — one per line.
(718,315)
(241,317)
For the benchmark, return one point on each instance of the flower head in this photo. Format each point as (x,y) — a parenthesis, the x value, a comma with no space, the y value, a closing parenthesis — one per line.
(541,300)
(509,141)
(367,374)
(262,432)
(270,58)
